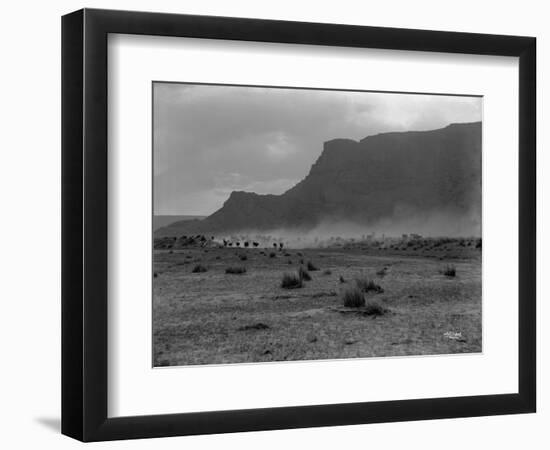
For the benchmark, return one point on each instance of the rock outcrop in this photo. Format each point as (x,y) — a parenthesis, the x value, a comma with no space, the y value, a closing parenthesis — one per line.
(366,181)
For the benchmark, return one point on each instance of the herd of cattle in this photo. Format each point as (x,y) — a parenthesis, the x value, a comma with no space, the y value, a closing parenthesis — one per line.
(200,240)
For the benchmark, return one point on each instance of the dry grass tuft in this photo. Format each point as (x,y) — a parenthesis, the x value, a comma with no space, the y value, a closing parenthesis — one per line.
(375,309)
(199,268)
(353,298)
(304,274)
(256,326)
(449,271)
(291,281)
(311,267)
(237,270)
(365,285)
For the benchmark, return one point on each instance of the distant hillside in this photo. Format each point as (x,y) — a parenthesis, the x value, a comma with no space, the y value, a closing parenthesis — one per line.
(163,221)
(380,177)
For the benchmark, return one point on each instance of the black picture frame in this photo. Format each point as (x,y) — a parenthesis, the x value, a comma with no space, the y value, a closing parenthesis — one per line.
(84,224)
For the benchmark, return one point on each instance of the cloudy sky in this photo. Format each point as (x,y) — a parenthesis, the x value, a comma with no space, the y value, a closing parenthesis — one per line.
(211,140)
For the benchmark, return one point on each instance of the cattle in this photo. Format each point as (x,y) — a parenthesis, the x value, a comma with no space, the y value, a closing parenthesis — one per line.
(255,244)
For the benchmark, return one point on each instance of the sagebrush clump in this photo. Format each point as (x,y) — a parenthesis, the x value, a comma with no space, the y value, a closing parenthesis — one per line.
(238,270)
(366,285)
(291,281)
(311,267)
(199,268)
(304,274)
(353,298)
(449,271)
(374,309)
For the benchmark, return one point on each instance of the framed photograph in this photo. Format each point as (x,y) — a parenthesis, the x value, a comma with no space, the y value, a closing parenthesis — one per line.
(272,224)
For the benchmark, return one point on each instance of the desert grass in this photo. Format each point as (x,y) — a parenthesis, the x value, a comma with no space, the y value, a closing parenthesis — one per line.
(353,298)
(374,309)
(366,285)
(257,326)
(199,268)
(291,281)
(311,267)
(449,270)
(235,270)
(195,319)
(304,274)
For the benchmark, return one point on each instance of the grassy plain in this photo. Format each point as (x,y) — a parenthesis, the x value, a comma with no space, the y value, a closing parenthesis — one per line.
(221,316)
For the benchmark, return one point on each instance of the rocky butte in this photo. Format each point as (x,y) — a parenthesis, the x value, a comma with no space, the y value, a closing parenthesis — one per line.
(379,177)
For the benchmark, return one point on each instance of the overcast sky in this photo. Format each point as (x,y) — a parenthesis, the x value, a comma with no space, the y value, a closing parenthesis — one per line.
(211,140)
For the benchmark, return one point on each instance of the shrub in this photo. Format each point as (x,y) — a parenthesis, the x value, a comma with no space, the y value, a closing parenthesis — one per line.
(199,268)
(449,271)
(243,257)
(291,281)
(365,285)
(272,255)
(382,272)
(327,272)
(304,274)
(237,270)
(374,309)
(353,298)
(311,267)
(155,275)
(256,326)
(342,280)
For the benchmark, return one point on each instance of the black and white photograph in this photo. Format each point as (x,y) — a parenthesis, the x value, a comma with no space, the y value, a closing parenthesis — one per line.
(308,224)
(273,225)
